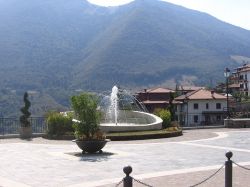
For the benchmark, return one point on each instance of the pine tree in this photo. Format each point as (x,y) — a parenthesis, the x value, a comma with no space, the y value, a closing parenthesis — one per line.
(24,119)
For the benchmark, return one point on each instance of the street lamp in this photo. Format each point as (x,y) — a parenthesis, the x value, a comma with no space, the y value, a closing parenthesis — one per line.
(226,75)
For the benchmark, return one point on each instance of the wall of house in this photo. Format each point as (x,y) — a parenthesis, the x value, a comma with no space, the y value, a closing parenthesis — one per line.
(159,96)
(153,96)
(245,82)
(189,111)
(142,96)
(248,83)
(202,105)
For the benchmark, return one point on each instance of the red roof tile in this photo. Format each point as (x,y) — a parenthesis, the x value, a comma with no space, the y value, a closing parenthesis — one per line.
(154,102)
(200,95)
(160,90)
(190,88)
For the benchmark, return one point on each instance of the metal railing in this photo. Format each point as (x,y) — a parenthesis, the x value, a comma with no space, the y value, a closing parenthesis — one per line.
(12,125)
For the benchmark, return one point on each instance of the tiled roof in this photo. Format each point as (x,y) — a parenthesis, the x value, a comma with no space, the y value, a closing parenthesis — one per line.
(159,102)
(160,90)
(190,88)
(154,102)
(200,95)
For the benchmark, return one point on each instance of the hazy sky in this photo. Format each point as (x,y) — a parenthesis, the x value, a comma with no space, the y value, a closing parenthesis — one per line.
(236,12)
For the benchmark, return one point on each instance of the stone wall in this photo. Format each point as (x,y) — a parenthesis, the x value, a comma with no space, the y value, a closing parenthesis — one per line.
(237,123)
(151,122)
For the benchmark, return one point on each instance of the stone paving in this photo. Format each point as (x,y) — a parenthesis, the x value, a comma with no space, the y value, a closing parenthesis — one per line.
(58,163)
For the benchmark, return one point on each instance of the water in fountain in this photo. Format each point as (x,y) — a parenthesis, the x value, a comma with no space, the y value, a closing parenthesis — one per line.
(121,111)
(113,108)
(118,108)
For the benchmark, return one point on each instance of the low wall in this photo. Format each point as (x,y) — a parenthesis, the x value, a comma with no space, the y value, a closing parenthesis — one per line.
(237,123)
(152,122)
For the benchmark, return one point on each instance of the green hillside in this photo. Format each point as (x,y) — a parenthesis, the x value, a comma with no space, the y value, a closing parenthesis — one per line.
(57,47)
(156,41)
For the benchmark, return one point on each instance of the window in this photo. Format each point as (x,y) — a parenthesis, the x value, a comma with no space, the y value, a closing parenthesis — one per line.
(218,118)
(218,106)
(196,106)
(207,106)
(196,119)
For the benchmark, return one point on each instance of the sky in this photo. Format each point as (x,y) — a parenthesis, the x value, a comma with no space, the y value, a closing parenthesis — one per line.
(236,12)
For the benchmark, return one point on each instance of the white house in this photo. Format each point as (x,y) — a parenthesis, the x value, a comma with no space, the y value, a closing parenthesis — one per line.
(201,107)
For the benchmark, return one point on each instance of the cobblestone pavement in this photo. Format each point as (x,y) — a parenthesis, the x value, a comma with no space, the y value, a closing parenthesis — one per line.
(58,163)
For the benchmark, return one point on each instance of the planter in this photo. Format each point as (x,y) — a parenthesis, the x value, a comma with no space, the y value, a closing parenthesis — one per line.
(25,132)
(91,146)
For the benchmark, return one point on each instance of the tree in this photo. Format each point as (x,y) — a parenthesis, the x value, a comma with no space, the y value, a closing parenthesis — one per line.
(171,106)
(85,109)
(24,118)
(165,115)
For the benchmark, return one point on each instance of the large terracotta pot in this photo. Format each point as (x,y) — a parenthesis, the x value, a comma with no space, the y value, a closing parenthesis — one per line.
(91,146)
(25,132)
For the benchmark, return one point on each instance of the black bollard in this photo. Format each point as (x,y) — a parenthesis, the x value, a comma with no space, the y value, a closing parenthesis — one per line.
(229,170)
(127,181)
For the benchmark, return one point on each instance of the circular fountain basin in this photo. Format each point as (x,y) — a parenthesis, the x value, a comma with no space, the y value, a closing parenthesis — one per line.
(133,121)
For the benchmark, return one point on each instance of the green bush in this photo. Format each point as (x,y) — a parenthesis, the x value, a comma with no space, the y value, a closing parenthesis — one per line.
(85,110)
(165,115)
(58,124)
(24,118)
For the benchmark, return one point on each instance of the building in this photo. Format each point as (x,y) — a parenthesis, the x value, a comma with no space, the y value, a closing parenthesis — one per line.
(240,80)
(155,98)
(201,107)
(185,89)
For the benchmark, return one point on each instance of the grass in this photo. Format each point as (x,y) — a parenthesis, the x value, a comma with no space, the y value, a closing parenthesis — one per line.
(139,135)
(162,131)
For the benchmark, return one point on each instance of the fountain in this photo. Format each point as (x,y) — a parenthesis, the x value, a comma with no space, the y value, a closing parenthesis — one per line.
(114,103)
(121,111)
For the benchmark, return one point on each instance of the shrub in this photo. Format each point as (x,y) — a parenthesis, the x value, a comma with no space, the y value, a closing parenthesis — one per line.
(165,115)
(58,124)
(85,110)
(24,118)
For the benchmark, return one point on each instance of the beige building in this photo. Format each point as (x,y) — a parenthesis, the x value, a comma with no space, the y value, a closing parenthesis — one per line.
(240,80)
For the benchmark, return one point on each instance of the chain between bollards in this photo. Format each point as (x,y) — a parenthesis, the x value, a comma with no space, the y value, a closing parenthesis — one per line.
(229,170)
(128,180)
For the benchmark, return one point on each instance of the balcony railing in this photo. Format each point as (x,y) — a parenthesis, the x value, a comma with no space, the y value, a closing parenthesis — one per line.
(12,125)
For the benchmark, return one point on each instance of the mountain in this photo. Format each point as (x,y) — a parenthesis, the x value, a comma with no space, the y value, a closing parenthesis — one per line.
(156,41)
(56,47)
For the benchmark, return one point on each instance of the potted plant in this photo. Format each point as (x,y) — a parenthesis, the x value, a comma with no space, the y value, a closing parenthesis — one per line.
(25,129)
(89,138)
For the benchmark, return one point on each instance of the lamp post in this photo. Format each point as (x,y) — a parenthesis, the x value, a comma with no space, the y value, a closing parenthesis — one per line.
(226,75)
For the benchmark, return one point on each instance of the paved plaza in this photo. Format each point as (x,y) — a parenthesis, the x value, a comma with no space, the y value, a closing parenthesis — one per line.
(179,161)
